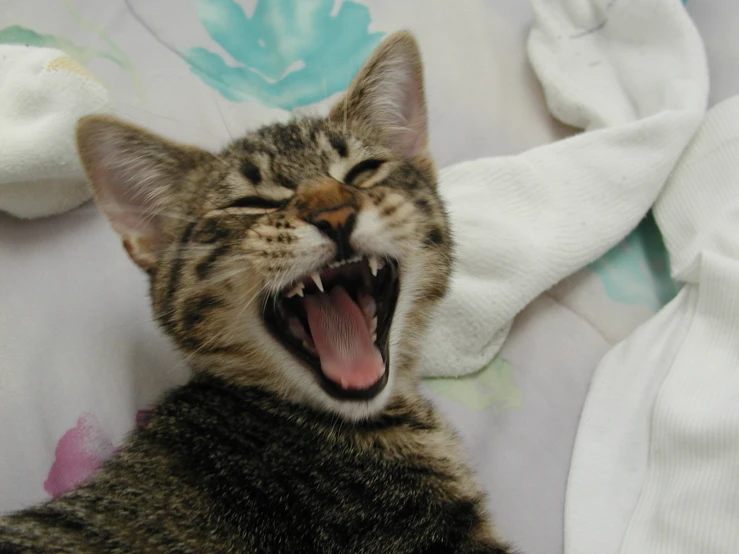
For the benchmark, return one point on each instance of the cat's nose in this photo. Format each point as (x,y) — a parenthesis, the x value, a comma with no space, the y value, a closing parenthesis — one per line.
(332,207)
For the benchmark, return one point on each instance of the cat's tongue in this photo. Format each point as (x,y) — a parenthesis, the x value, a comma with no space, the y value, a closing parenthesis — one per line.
(348,355)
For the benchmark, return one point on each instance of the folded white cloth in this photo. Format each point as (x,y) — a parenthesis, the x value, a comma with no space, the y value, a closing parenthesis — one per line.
(655,463)
(633,74)
(42,95)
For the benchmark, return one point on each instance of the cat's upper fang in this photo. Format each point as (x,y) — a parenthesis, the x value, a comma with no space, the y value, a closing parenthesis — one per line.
(373,265)
(376,264)
(317,280)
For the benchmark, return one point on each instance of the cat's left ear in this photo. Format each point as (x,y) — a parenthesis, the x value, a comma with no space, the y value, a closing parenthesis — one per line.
(134,174)
(387,96)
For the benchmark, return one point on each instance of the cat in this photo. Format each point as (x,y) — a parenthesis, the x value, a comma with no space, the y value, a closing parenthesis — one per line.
(296,271)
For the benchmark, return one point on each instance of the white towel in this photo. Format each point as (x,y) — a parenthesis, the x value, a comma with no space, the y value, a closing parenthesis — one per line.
(42,95)
(656,463)
(633,74)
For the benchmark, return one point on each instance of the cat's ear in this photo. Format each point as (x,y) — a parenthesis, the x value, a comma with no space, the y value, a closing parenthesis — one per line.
(387,95)
(134,175)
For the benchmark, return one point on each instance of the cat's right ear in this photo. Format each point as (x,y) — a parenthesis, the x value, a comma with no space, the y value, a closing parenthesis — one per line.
(134,175)
(387,95)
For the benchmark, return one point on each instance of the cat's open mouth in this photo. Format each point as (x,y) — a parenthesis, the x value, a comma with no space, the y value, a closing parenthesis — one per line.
(338,321)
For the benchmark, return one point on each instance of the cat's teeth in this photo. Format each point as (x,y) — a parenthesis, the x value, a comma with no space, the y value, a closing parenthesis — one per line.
(374,337)
(368,305)
(297,289)
(344,384)
(344,262)
(376,264)
(317,280)
(373,263)
(373,326)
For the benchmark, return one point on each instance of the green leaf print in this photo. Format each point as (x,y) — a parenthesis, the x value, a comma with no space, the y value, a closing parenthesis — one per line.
(492,386)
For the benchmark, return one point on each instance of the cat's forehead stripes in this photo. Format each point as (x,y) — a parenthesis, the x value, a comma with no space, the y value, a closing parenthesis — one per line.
(251,171)
(339,144)
(292,154)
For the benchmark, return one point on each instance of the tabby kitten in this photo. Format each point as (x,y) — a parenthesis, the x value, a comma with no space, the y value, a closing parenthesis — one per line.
(296,270)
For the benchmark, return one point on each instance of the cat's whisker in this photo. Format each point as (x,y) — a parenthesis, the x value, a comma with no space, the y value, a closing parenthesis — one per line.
(222,161)
(221,276)
(191,356)
(223,119)
(442,253)
(256,295)
(346,111)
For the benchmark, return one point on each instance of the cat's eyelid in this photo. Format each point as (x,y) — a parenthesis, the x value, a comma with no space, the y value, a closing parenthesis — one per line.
(256,202)
(371,164)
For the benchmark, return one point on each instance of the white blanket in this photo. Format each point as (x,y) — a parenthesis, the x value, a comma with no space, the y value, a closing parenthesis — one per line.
(633,73)
(655,464)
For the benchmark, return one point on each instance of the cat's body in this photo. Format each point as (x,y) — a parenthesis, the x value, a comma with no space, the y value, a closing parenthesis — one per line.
(233,469)
(297,271)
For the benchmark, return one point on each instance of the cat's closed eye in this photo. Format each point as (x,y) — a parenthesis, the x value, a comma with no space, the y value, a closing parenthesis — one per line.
(256,202)
(362,171)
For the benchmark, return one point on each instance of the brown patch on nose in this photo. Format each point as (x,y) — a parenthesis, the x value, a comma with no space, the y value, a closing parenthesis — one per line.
(328,203)
(332,207)
(335,218)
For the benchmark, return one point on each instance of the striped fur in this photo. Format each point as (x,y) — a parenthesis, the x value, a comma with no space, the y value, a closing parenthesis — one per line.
(252,455)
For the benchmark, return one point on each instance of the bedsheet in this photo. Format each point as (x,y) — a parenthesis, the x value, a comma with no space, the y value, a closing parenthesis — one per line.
(71,299)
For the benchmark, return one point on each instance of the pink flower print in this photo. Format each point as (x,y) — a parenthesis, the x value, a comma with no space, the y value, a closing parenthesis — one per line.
(78,454)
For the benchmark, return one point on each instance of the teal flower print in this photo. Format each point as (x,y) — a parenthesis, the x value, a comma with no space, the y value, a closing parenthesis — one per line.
(289,53)
(637,271)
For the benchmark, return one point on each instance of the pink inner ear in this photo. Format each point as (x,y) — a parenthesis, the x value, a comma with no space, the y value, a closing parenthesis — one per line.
(130,224)
(127,209)
(409,135)
(416,136)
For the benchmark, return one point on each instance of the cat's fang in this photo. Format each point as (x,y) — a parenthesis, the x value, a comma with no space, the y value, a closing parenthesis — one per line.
(373,263)
(297,290)
(317,280)
(373,326)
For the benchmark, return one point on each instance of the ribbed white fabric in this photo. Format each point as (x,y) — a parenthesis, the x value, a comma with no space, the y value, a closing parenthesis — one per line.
(633,73)
(42,95)
(656,463)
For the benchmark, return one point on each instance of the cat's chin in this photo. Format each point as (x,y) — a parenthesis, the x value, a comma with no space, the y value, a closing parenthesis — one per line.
(336,323)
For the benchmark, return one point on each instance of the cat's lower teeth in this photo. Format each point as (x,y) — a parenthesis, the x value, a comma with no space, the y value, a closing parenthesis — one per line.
(296,290)
(368,305)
